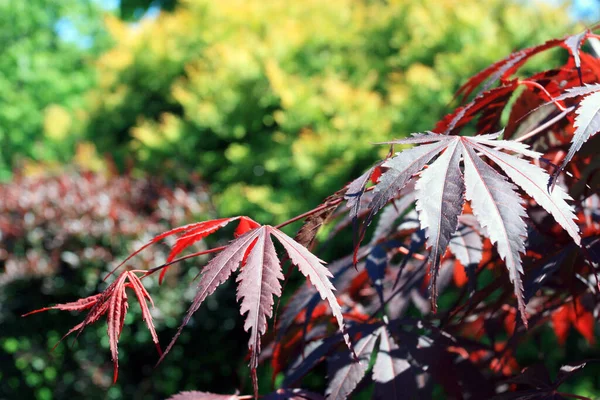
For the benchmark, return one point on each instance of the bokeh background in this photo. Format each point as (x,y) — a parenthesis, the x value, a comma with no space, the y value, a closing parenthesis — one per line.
(122,118)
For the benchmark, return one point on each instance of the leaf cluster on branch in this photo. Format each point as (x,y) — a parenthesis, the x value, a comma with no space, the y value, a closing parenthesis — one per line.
(522,199)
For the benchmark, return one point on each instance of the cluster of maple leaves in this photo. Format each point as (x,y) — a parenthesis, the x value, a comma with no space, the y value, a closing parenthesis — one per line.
(523,199)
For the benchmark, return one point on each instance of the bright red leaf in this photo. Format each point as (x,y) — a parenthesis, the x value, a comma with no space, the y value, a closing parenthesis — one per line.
(112,302)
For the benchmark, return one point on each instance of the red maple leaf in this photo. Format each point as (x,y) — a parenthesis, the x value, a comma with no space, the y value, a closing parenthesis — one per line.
(112,302)
(576,315)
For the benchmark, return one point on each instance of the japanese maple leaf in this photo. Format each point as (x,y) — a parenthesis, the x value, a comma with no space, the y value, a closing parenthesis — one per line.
(587,121)
(502,69)
(254,253)
(576,315)
(112,302)
(190,234)
(443,186)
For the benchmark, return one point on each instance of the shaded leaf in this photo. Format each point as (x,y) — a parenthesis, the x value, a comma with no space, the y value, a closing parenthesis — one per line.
(345,373)
(577,315)
(375,265)
(490,103)
(312,354)
(392,372)
(542,388)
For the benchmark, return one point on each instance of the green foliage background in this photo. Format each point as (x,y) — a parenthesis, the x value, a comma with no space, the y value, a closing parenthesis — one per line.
(274,104)
(43,79)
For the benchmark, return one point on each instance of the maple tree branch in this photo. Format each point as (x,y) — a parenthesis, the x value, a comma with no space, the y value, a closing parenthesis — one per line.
(314,211)
(308,213)
(197,254)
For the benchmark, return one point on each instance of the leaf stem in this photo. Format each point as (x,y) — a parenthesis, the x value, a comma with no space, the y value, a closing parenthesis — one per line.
(197,254)
(314,211)
(543,89)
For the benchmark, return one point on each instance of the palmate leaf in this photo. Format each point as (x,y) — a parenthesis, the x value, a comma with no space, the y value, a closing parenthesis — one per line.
(112,302)
(502,69)
(259,281)
(494,200)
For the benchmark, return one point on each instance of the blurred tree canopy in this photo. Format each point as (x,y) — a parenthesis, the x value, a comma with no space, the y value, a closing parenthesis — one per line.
(43,77)
(134,9)
(276,103)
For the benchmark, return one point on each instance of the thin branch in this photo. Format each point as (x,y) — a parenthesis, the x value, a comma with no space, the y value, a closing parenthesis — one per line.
(543,89)
(200,253)
(544,125)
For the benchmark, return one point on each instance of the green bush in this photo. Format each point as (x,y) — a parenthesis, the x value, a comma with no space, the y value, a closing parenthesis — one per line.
(276,103)
(43,77)
(59,236)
